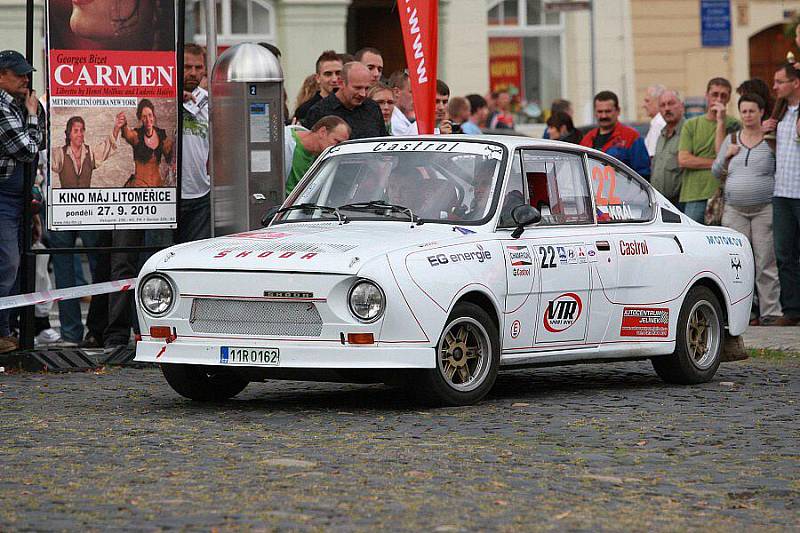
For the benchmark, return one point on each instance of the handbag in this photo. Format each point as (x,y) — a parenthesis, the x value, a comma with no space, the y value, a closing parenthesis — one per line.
(716,204)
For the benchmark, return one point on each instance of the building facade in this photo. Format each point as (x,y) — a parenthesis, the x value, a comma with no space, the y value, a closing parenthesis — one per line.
(540,49)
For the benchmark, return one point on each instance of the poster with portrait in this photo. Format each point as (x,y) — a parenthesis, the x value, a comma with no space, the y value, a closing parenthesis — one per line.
(113,115)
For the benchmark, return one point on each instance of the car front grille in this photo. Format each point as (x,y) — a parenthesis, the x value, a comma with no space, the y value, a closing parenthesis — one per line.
(254,317)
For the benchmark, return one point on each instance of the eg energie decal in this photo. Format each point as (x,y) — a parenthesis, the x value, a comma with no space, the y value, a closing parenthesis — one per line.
(480,255)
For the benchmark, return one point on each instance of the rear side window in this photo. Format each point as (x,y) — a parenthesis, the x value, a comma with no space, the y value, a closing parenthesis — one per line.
(618,195)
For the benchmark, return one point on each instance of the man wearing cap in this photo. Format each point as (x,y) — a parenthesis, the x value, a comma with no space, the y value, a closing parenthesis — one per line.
(21,138)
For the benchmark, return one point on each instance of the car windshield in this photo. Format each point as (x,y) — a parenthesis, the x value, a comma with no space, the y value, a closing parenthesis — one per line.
(448,182)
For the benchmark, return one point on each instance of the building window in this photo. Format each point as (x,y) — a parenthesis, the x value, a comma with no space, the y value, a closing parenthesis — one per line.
(237,21)
(525,55)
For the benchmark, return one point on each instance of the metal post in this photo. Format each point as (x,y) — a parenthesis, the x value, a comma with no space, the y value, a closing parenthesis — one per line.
(27,266)
(592,51)
(180,39)
(211,59)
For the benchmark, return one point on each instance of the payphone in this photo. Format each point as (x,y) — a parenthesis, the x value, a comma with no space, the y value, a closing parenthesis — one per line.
(247,127)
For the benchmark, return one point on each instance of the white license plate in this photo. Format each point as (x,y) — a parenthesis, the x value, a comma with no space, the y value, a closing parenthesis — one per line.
(235,355)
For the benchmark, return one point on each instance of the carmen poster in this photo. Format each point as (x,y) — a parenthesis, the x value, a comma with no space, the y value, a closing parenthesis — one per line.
(112,85)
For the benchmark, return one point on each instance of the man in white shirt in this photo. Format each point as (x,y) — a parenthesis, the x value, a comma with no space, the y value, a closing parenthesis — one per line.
(786,196)
(657,123)
(195,205)
(403,114)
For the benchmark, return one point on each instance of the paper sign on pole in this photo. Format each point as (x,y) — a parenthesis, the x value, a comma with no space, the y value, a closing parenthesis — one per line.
(112,102)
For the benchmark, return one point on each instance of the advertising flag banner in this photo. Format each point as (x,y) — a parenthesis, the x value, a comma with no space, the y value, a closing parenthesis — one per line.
(419,21)
(113,115)
(505,64)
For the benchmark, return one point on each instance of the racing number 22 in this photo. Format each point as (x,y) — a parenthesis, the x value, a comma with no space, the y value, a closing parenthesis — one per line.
(601,176)
(548,257)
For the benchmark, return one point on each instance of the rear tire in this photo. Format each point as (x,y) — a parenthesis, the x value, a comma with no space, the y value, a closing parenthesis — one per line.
(203,383)
(467,359)
(699,341)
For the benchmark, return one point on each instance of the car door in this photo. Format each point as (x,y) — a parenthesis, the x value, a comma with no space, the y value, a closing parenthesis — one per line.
(559,188)
(522,301)
(643,279)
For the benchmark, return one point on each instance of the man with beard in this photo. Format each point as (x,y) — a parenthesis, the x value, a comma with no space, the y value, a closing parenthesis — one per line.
(195,205)
(350,103)
(613,138)
(666,175)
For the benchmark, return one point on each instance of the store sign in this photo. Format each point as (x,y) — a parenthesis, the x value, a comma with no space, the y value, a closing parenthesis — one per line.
(561,7)
(113,116)
(419,21)
(715,22)
(505,64)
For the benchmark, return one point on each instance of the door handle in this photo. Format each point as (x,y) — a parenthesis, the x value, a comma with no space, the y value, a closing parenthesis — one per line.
(603,246)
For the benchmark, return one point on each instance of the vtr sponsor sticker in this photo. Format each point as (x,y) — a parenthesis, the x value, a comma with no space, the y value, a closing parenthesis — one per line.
(645,322)
(562,312)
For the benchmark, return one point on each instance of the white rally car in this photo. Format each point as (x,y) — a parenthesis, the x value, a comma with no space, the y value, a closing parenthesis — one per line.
(434,262)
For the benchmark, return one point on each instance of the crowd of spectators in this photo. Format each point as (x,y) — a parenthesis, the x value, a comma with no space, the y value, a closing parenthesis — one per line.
(754,160)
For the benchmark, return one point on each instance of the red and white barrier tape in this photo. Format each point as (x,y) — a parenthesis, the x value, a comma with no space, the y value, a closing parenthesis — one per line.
(32,298)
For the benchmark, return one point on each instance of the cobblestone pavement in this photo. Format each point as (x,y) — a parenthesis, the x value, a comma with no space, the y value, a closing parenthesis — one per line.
(573,448)
(773,337)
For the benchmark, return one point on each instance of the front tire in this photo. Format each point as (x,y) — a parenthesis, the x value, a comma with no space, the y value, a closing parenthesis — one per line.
(467,359)
(698,346)
(203,383)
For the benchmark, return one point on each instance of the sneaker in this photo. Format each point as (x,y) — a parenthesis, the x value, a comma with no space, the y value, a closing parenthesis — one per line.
(8,344)
(46,336)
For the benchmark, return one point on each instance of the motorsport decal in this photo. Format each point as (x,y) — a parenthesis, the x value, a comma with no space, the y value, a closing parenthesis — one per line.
(421,146)
(521,260)
(562,312)
(572,256)
(567,254)
(736,268)
(515,329)
(644,322)
(238,254)
(462,231)
(591,253)
(278,246)
(430,145)
(266,235)
(633,248)
(480,255)
(724,240)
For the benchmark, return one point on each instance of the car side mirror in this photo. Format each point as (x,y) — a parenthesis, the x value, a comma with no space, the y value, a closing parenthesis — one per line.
(524,215)
(269,214)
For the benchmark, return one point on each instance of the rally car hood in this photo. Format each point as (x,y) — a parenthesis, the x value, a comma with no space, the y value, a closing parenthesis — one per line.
(307,247)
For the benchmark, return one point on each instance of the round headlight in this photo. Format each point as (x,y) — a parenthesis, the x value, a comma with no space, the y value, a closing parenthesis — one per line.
(366,301)
(156,295)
